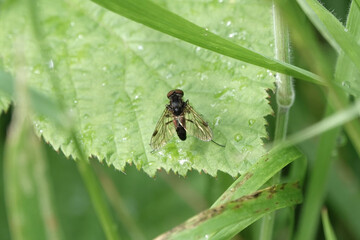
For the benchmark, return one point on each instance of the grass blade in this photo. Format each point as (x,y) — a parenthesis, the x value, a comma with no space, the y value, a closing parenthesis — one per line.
(328,230)
(316,188)
(158,18)
(253,206)
(335,120)
(258,174)
(337,35)
(344,196)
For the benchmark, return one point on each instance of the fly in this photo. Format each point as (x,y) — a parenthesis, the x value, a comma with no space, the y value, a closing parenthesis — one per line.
(180,118)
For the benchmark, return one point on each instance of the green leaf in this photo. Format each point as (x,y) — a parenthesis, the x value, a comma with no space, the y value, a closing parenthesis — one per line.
(328,230)
(259,173)
(347,74)
(344,196)
(331,28)
(244,210)
(114,76)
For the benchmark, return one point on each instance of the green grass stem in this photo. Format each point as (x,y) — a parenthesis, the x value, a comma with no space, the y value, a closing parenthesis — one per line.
(316,187)
(328,230)
(284,98)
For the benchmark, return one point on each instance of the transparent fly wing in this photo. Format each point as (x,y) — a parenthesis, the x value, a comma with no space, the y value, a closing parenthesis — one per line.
(196,125)
(164,130)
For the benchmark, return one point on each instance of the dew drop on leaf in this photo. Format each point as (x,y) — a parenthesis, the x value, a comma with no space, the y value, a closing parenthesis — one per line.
(231,35)
(51,64)
(238,137)
(183,161)
(345,84)
(251,122)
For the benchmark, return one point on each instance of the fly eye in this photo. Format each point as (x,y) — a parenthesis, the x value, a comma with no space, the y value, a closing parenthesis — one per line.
(179,92)
(176,91)
(170,93)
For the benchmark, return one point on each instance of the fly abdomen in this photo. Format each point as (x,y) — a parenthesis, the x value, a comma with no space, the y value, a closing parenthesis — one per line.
(181,132)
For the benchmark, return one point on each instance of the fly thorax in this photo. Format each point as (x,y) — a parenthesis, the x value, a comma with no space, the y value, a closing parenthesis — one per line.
(177,106)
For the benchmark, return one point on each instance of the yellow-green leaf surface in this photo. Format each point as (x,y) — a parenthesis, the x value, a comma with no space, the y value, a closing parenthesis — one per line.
(114,76)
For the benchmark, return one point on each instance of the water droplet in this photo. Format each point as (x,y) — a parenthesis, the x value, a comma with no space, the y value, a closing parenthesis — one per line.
(169,76)
(140,47)
(220,1)
(346,30)
(75,101)
(182,161)
(41,131)
(80,36)
(103,84)
(197,49)
(220,93)
(251,122)
(217,120)
(238,137)
(248,148)
(203,77)
(72,24)
(231,35)
(345,84)
(243,66)
(260,75)
(207,236)
(51,64)
(104,68)
(228,23)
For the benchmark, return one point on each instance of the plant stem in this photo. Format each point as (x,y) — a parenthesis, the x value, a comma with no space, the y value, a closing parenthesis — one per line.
(316,188)
(96,193)
(284,99)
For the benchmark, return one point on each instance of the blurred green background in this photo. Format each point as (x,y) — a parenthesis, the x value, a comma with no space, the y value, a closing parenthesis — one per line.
(150,206)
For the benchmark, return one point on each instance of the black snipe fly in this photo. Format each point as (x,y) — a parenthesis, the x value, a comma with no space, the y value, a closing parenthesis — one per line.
(181,118)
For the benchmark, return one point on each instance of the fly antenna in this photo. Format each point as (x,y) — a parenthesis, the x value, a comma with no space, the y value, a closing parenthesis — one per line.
(217,143)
